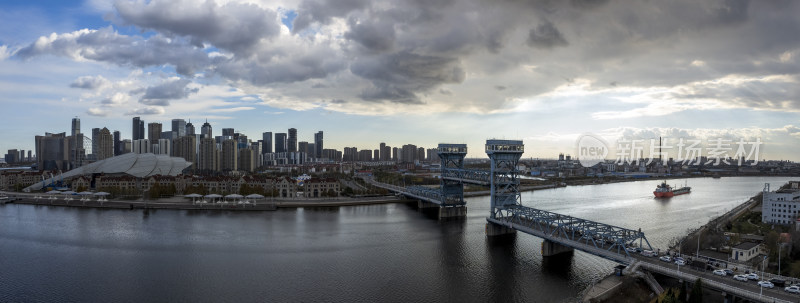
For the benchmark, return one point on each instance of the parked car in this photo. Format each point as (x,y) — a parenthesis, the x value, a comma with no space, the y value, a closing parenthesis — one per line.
(630,249)
(679,258)
(720,272)
(680,262)
(729,271)
(778,282)
(648,253)
(665,258)
(740,278)
(766,284)
(792,289)
(751,276)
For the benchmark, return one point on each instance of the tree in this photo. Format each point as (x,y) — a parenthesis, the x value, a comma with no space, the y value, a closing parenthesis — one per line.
(696,296)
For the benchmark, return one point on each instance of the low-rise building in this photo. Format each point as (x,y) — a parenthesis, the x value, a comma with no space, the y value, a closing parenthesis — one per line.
(745,251)
(781,206)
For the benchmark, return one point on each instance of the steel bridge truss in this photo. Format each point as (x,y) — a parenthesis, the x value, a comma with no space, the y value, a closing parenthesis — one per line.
(432,195)
(504,184)
(554,225)
(452,157)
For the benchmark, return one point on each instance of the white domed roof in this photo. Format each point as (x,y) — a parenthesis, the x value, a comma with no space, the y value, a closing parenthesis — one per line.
(137,165)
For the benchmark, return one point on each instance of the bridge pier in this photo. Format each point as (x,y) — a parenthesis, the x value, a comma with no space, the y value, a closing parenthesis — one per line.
(423,205)
(550,248)
(493,229)
(452,212)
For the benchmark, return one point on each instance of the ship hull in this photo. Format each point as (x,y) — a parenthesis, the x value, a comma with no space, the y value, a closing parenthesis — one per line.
(663,194)
(672,193)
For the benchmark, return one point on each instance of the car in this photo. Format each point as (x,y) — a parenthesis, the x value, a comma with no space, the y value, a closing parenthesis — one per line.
(792,289)
(679,258)
(740,278)
(680,262)
(630,249)
(720,272)
(728,272)
(766,284)
(665,258)
(648,253)
(778,282)
(751,276)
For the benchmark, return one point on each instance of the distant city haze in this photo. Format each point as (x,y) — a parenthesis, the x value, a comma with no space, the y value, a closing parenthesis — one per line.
(403,72)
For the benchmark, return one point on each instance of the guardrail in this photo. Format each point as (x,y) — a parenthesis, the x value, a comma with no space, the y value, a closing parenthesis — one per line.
(739,292)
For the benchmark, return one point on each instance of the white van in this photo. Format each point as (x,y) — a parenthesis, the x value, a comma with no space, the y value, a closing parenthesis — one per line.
(648,253)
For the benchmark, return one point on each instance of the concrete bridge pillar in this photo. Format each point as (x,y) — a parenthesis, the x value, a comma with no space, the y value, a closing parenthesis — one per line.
(550,248)
(452,212)
(422,204)
(498,230)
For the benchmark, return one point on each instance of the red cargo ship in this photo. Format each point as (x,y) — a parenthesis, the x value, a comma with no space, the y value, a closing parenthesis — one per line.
(665,191)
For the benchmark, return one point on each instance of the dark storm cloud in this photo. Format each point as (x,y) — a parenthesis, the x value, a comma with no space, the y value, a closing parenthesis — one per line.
(376,37)
(399,77)
(546,36)
(89,82)
(405,51)
(236,27)
(169,90)
(106,45)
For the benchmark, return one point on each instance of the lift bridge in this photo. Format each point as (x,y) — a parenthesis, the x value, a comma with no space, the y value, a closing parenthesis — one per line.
(561,233)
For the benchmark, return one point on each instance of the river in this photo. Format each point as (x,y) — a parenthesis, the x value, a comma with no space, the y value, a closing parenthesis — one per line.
(375,253)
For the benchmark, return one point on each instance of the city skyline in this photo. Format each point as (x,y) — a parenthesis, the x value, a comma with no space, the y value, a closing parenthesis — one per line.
(544,73)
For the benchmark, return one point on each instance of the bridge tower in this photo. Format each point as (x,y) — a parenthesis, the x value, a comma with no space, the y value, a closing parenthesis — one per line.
(504,180)
(452,156)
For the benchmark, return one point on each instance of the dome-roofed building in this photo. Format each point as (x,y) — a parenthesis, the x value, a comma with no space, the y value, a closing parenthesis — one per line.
(136,165)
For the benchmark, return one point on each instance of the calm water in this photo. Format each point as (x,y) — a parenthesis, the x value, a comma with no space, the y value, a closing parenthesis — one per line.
(384,253)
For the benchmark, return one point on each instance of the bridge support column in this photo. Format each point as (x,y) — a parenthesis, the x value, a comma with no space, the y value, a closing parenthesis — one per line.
(550,248)
(452,212)
(498,230)
(422,204)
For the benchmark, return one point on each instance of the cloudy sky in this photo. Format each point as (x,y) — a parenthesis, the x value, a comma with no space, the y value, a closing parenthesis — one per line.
(408,71)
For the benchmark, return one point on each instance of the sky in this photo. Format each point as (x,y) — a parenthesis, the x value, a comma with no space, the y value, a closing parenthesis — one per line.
(417,72)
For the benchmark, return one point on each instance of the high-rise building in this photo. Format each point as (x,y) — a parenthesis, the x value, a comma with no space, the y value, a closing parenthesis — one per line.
(280,142)
(207,155)
(105,144)
(246,160)
(153,132)
(302,146)
(386,152)
(408,153)
(95,138)
(267,144)
(138,129)
(141,146)
(52,151)
(228,132)
(179,127)
(318,144)
(350,154)
(205,130)
(365,155)
(395,154)
(376,155)
(76,126)
(117,143)
(186,148)
(291,142)
(420,154)
(189,129)
(164,147)
(230,155)
(12,156)
(30,156)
